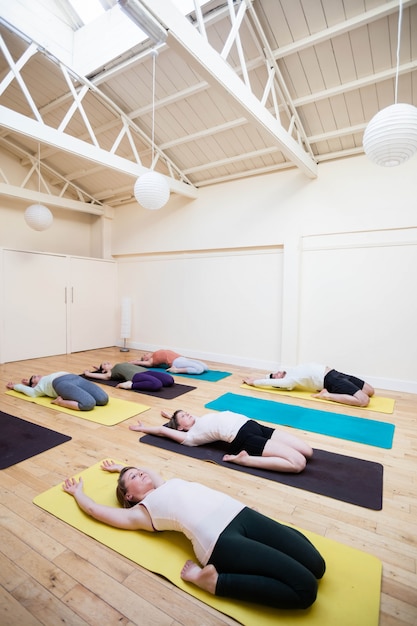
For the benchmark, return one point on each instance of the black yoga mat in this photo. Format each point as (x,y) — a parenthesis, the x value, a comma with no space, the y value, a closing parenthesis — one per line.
(336,476)
(167,393)
(20,440)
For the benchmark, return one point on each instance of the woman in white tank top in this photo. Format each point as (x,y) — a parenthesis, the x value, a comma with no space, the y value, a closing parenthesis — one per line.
(251,443)
(242,554)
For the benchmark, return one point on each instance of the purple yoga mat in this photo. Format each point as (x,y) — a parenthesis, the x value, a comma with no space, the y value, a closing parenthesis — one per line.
(20,440)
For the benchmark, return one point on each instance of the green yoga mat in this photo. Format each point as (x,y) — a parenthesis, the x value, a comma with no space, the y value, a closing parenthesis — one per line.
(361,430)
(212,375)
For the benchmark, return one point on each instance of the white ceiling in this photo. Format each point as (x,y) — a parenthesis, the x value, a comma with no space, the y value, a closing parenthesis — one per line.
(300,82)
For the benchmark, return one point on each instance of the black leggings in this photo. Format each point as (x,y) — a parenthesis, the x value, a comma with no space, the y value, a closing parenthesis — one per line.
(260,560)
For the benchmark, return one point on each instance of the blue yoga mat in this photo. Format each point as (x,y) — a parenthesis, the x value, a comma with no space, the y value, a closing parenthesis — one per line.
(212,375)
(361,430)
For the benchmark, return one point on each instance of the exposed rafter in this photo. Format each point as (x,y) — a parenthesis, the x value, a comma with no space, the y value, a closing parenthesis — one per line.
(187,41)
(89,149)
(244,87)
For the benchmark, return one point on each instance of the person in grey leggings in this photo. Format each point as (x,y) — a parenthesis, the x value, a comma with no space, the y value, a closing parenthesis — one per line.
(67,390)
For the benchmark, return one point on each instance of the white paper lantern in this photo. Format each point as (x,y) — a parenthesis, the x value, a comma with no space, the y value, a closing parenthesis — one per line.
(152,190)
(391,136)
(38,217)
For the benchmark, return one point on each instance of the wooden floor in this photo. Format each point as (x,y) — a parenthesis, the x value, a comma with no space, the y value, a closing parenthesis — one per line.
(51,573)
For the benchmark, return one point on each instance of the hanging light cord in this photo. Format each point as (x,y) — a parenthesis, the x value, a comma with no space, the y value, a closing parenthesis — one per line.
(400,19)
(154,55)
(39,167)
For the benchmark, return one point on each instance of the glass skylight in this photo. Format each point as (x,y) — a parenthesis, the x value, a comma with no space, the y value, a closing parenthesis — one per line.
(88,10)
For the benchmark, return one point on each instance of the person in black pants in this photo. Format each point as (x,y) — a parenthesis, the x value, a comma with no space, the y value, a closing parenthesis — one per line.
(242,554)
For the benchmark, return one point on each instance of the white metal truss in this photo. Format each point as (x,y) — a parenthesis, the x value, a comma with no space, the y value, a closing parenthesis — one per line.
(78,87)
(273,57)
(85,202)
(192,43)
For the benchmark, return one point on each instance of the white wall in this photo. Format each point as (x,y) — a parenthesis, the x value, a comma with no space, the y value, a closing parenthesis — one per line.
(342,292)
(366,319)
(271,269)
(207,303)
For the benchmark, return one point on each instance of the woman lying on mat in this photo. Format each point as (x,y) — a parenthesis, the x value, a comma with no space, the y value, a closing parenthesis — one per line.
(131,376)
(67,390)
(327,382)
(176,363)
(251,444)
(243,554)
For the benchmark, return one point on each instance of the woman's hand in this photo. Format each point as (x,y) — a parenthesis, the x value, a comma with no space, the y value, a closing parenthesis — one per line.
(111,466)
(10,385)
(139,427)
(72,486)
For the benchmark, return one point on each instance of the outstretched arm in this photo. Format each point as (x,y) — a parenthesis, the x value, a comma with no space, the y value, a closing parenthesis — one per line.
(279,383)
(23,388)
(135,518)
(160,431)
(249,381)
(144,362)
(98,375)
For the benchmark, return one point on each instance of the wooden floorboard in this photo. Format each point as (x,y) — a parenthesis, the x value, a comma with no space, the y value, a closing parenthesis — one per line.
(51,573)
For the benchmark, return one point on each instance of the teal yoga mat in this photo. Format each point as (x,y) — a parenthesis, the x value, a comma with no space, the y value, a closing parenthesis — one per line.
(361,430)
(212,375)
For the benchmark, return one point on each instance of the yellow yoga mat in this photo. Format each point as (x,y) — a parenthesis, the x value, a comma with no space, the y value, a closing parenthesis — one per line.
(376,403)
(349,593)
(114,412)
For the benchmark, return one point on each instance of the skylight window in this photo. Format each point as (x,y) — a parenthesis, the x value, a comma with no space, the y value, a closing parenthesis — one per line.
(88,10)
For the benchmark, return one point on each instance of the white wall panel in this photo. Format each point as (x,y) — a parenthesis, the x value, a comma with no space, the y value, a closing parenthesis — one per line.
(219,305)
(359,304)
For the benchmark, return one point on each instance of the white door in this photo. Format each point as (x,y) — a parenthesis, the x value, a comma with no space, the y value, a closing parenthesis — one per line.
(34,305)
(92,309)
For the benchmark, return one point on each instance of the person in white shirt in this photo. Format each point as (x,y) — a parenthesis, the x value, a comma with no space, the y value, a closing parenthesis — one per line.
(250,443)
(242,554)
(67,390)
(326,383)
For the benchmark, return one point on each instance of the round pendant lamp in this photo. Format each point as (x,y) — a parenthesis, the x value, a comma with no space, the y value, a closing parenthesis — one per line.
(38,217)
(391,136)
(152,190)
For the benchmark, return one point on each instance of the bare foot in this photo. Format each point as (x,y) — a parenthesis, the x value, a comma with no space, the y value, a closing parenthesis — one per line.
(323,394)
(166,415)
(240,458)
(203,577)
(125,385)
(173,370)
(57,400)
